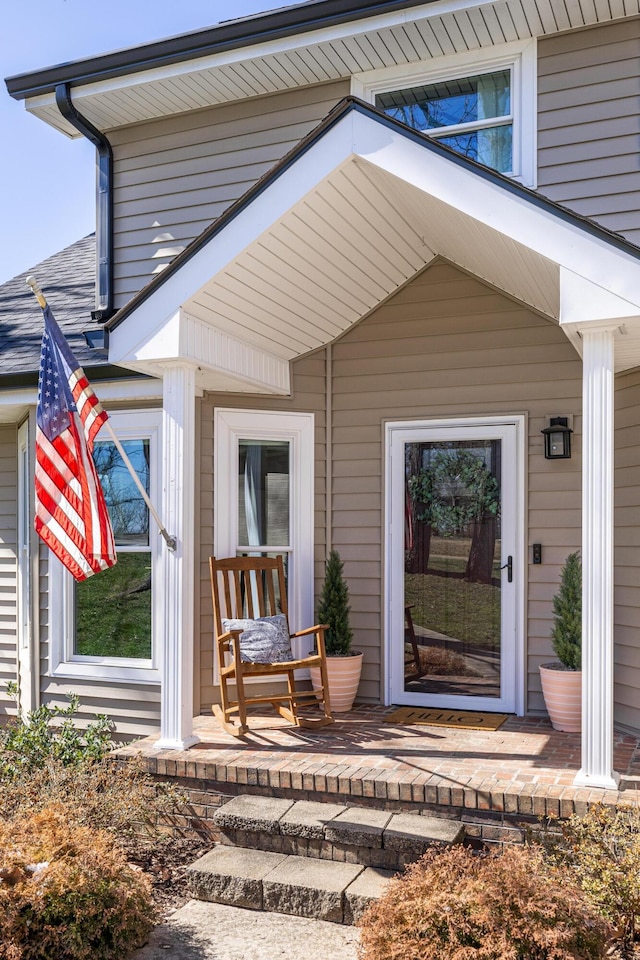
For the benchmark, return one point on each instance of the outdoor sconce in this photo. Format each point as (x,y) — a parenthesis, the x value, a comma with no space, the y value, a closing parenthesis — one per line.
(557,439)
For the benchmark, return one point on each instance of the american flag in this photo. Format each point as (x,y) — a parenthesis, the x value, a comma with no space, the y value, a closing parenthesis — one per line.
(71,513)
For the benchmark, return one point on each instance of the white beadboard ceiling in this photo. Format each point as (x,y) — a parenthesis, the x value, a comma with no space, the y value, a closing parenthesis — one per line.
(404,37)
(352,220)
(336,255)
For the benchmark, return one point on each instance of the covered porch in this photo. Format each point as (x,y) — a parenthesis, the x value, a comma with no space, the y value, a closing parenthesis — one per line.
(494,781)
(344,222)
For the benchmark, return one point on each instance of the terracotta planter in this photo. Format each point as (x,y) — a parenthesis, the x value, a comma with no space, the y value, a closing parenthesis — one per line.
(562,690)
(344,678)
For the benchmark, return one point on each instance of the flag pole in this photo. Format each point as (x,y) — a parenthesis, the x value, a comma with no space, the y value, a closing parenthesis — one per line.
(168,539)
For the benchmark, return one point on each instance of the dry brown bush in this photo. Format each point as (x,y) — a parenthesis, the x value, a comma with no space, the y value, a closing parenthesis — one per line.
(120,798)
(66,891)
(457,905)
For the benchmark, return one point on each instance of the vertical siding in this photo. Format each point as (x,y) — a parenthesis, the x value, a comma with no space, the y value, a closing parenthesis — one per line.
(589,123)
(308,396)
(447,345)
(182,172)
(627,550)
(8,565)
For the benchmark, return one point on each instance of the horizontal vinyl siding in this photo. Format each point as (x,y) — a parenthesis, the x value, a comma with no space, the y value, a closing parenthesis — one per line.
(8,565)
(627,551)
(308,396)
(589,123)
(182,172)
(446,345)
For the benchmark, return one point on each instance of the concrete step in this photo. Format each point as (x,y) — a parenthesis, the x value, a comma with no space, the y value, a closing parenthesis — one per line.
(261,880)
(328,831)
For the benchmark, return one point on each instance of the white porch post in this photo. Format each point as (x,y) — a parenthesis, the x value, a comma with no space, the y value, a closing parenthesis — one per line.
(178,486)
(597,557)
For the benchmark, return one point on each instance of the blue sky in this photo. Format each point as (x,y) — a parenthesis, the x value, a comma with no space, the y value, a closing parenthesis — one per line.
(47,186)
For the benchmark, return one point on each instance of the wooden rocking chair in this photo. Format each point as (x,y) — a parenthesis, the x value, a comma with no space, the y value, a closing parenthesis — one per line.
(251,587)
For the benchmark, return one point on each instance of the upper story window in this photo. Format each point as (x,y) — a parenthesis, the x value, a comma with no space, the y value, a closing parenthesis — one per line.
(483,105)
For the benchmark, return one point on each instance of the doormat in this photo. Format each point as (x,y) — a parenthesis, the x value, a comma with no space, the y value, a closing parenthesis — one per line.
(463,719)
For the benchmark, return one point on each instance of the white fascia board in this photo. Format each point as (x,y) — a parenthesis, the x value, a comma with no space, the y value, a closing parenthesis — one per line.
(490,203)
(142,335)
(134,388)
(584,303)
(184,338)
(257,51)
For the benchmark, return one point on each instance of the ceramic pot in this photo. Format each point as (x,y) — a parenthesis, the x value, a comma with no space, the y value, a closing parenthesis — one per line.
(344,678)
(562,690)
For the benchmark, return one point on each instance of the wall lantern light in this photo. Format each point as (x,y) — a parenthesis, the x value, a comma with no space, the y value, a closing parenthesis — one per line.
(557,439)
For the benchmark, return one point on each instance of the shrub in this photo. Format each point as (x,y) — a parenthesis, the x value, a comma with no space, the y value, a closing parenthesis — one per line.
(120,798)
(457,905)
(602,850)
(566,633)
(26,745)
(333,609)
(66,891)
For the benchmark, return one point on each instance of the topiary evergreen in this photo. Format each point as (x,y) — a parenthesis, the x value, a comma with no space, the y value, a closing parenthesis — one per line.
(333,609)
(566,635)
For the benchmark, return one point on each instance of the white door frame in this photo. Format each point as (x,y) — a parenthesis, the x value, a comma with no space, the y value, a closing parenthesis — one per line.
(511,431)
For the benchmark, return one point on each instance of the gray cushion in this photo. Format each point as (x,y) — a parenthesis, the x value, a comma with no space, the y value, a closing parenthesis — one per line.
(265,640)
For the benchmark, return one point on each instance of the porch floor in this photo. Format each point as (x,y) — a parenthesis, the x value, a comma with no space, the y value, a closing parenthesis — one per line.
(524,769)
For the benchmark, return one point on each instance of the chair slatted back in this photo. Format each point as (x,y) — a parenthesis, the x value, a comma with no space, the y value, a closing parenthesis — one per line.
(247,587)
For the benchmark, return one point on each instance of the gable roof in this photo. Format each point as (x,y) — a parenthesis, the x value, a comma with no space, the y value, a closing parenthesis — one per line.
(350,215)
(342,109)
(68,282)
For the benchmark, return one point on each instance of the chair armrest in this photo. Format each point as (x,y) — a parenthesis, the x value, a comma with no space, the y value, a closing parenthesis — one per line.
(319,627)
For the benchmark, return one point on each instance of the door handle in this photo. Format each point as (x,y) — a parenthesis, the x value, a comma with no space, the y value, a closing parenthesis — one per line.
(508,566)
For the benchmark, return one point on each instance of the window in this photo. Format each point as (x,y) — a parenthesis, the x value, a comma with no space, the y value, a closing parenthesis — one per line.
(481,105)
(264,496)
(105,626)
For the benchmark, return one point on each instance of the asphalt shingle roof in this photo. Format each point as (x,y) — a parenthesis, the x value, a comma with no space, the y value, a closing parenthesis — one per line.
(67,280)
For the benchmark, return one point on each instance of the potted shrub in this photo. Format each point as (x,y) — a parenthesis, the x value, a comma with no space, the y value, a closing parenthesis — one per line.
(562,680)
(344,665)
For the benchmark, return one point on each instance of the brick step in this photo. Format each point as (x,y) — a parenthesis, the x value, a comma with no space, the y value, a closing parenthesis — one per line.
(277,883)
(328,831)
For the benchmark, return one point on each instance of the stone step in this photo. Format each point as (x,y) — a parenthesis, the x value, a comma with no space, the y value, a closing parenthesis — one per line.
(328,831)
(261,880)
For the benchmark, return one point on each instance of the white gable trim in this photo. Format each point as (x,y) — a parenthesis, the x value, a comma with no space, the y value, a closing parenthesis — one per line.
(556,245)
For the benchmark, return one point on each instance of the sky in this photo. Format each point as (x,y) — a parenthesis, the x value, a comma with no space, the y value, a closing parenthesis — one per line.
(47,181)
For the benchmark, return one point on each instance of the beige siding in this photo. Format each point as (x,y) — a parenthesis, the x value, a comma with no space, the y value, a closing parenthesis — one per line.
(445,345)
(308,389)
(589,123)
(8,565)
(627,551)
(184,171)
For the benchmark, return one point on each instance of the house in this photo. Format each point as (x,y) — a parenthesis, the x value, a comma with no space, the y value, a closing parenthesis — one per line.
(355,253)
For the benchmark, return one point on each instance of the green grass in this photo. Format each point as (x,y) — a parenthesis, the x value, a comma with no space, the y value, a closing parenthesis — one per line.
(469,612)
(112,619)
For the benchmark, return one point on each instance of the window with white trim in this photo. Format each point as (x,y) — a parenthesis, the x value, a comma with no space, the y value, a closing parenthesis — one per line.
(483,105)
(264,497)
(106,626)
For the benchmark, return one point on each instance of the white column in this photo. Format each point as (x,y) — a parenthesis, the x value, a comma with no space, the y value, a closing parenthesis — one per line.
(178,510)
(597,558)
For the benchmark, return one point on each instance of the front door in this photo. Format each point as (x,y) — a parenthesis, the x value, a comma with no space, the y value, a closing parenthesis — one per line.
(453,564)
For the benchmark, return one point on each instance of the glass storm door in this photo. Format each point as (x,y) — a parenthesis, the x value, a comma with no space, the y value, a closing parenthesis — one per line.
(453,565)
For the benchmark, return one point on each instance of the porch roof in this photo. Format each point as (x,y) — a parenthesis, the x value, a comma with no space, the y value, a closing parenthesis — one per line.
(350,215)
